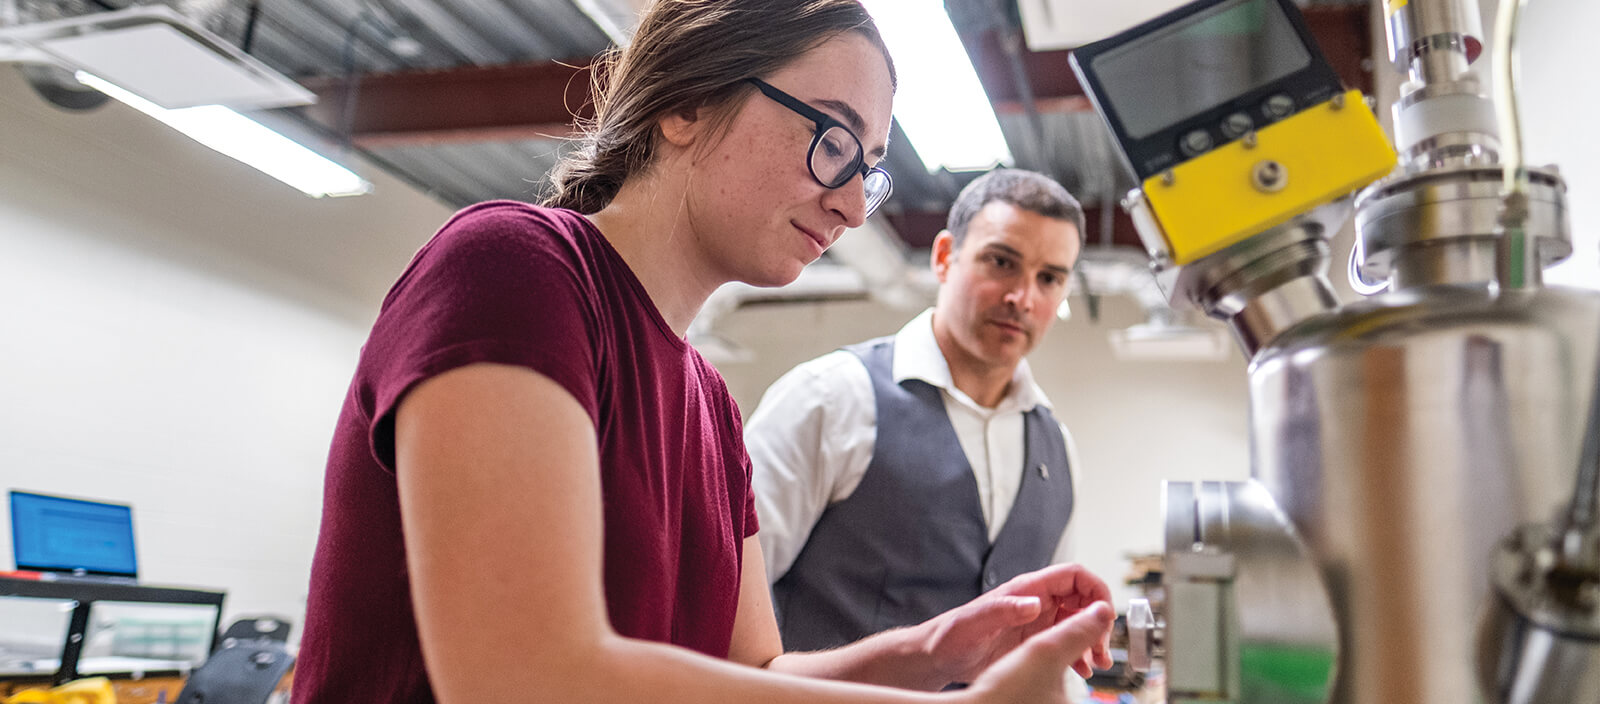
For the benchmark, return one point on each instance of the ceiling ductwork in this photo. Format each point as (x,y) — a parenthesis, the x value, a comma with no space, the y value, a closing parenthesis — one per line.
(1166,334)
(874,266)
(868,262)
(821,282)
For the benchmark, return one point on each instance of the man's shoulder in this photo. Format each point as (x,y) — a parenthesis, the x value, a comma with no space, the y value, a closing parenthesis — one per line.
(836,367)
(866,346)
(834,385)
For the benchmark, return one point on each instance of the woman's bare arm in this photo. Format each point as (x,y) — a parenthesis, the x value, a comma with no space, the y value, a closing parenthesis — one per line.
(497,467)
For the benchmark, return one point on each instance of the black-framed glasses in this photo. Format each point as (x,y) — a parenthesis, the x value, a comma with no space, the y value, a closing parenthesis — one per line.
(836,155)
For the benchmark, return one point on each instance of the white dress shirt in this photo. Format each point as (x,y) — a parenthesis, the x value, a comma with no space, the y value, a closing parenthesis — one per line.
(812,437)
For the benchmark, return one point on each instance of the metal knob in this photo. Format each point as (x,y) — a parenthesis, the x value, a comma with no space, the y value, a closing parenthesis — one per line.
(1141,635)
(1269,176)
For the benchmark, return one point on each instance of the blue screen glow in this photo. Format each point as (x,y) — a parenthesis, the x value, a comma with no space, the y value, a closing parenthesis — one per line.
(51,533)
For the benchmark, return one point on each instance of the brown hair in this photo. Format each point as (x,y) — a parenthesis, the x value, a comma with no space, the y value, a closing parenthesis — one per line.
(689,54)
(1034,192)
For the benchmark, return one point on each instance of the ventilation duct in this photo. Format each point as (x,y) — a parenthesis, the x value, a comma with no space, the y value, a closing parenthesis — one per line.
(1166,334)
(820,282)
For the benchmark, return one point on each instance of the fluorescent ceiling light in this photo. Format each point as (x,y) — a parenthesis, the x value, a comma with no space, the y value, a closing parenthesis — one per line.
(1169,343)
(940,103)
(156,53)
(172,69)
(617,18)
(1069,24)
(248,141)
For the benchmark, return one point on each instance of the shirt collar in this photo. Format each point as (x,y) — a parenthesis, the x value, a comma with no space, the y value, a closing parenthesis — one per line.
(917,356)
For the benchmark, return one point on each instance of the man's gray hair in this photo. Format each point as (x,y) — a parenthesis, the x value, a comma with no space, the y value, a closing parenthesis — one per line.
(1034,192)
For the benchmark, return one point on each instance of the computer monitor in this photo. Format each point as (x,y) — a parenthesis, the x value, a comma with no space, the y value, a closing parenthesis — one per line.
(72,536)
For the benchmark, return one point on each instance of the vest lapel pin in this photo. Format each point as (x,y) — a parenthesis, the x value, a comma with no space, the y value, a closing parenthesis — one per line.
(1044,472)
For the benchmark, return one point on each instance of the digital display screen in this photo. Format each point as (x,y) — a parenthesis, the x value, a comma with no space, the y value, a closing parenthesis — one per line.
(1187,68)
(51,533)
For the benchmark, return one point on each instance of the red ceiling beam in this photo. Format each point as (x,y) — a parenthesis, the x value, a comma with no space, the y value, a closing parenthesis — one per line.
(480,103)
(525,101)
(1344,34)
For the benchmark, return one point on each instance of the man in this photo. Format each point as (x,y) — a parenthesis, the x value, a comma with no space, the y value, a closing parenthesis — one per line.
(903,476)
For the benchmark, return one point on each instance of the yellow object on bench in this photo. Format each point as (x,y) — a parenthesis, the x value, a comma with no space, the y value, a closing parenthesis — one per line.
(89,690)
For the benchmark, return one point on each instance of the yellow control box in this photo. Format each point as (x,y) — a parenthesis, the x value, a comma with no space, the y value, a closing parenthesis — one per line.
(1249,185)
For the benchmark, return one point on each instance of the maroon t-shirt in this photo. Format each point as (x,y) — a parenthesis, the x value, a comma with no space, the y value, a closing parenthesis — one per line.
(510,283)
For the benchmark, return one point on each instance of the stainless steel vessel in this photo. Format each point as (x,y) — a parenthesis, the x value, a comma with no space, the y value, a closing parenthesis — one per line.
(1404,438)
(1423,522)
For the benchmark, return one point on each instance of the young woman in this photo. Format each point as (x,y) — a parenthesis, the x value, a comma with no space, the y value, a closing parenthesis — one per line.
(537,490)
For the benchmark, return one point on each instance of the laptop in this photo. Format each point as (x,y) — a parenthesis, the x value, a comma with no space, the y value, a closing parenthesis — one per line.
(73,539)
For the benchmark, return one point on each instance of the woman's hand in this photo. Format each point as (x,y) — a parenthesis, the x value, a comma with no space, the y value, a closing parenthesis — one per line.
(965,641)
(1035,671)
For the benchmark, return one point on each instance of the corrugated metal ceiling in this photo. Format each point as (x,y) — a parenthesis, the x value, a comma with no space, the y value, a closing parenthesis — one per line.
(332,38)
(339,39)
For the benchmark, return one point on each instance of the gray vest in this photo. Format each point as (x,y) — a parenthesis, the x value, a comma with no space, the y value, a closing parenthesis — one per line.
(910,542)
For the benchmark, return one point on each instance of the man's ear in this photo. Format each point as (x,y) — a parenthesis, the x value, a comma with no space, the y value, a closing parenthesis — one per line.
(943,254)
(681,127)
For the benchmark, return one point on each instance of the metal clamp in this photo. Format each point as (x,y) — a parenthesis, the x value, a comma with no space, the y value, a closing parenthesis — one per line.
(1142,635)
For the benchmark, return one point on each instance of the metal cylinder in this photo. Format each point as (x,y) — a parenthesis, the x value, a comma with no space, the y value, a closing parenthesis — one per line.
(1404,437)
(1444,126)
(1440,59)
(1419,27)
(1538,665)
(1261,630)
(1442,118)
(1540,638)
(1441,227)
(1266,315)
(1268,283)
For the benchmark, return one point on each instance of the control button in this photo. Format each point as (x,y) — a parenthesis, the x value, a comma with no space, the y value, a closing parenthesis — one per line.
(1195,143)
(1278,106)
(1236,125)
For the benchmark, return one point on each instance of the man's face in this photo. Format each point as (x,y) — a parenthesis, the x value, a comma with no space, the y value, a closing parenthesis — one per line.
(999,292)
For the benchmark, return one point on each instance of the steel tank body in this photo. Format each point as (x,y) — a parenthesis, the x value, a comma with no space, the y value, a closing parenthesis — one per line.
(1403,436)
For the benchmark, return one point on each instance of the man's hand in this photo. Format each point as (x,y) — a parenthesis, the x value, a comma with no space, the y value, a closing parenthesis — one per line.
(1033,672)
(966,640)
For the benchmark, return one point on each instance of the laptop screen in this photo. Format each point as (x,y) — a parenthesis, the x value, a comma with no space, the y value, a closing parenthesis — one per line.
(58,534)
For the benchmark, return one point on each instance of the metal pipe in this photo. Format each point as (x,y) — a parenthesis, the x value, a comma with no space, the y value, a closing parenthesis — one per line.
(1517,264)
(1108,215)
(1265,316)
(250,27)
(1417,27)
(1014,45)
(1266,284)
(1505,95)
(1442,64)
(1585,511)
